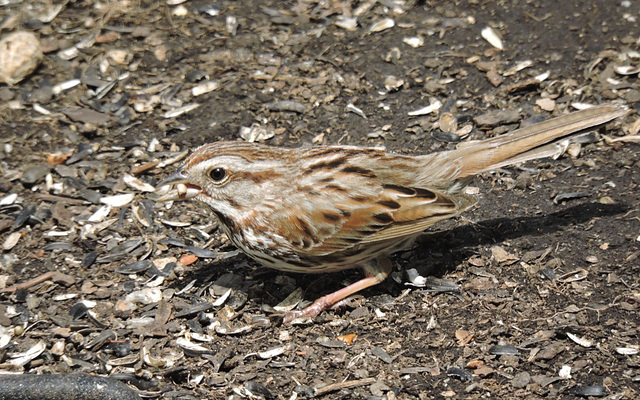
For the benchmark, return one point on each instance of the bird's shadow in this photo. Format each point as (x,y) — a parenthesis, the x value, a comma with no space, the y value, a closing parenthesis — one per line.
(438,252)
(443,250)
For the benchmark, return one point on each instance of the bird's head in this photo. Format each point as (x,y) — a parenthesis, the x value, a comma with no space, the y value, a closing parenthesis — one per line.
(232,178)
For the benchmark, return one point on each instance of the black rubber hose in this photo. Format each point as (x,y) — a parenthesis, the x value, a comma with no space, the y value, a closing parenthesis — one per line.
(63,387)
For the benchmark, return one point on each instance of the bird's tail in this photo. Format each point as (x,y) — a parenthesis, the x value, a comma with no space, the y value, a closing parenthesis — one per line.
(545,139)
(452,170)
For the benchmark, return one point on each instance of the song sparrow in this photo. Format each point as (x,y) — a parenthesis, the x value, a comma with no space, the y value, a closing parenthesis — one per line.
(323,209)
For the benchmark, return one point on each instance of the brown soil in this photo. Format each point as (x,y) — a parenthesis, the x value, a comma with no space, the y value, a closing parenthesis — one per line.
(535,275)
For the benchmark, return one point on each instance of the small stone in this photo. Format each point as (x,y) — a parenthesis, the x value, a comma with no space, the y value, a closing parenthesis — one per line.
(494,77)
(6,94)
(497,117)
(606,200)
(574,149)
(359,312)
(378,389)
(381,354)
(521,380)
(34,174)
(632,96)
(550,351)
(20,55)
(546,104)
(87,116)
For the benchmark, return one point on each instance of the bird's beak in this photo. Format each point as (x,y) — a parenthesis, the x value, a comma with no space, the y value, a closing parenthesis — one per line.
(178,188)
(175,178)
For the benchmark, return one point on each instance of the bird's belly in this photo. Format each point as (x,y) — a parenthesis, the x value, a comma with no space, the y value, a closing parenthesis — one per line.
(289,260)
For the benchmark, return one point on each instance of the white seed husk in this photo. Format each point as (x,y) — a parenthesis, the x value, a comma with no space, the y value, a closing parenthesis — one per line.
(581,341)
(382,25)
(11,240)
(204,87)
(491,36)
(435,106)
(350,24)
(118,200)
(137,184)
(414,41)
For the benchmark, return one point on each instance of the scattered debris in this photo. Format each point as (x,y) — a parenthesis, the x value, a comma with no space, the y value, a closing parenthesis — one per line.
(513,299)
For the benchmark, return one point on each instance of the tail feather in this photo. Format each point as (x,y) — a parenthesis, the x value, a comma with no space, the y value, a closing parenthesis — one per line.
(551,150)
(545,139)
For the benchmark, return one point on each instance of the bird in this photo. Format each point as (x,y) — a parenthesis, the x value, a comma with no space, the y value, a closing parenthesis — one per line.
(330,208)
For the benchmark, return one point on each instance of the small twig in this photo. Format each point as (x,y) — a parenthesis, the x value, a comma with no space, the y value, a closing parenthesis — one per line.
(55,276)
(342,385)
(628,138)
(54,199)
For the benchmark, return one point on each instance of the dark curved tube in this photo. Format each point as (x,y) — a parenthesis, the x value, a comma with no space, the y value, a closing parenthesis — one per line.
(64,387)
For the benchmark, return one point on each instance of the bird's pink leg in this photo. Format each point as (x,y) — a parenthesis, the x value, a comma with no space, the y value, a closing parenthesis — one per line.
(377,272)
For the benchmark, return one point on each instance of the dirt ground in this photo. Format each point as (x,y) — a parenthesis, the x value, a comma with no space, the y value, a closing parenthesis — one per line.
(534,293)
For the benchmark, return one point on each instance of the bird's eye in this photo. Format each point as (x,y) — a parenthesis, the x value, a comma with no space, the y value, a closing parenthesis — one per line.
(218,174)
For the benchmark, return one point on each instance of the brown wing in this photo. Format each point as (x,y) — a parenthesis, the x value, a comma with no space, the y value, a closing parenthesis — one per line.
(419,209)
(343,220)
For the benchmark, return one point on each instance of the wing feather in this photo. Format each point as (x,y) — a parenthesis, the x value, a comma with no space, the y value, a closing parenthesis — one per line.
(343,220)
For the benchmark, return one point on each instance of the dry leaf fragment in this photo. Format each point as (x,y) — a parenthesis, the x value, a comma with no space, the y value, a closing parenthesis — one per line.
(348,339)
(57,158)
(464,337)
(500,255)
(187,259)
